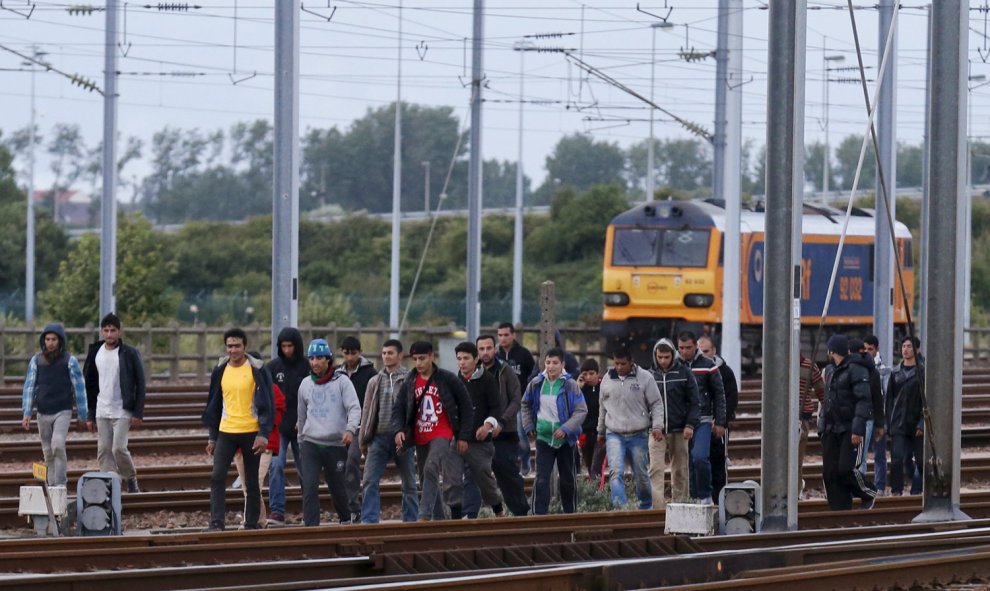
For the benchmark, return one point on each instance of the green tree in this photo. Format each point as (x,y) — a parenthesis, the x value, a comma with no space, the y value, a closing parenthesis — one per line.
(144,274)
(50,240)
(580,161)
(846,160)
(909,165)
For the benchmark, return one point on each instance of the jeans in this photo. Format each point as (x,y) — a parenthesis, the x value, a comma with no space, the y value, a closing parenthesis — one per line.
(276,473)
(907,455)
(719,461)
(701,464)
(431,459)
(332,461)
(226,446)
(880,462)
(505,465)
(635,447)
(525,451)
(352,477)
(54,429)
(546,457)
(380,451)
(111,446)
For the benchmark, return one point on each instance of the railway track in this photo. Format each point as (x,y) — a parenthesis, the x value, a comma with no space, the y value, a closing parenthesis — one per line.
(194,495)
(618,550)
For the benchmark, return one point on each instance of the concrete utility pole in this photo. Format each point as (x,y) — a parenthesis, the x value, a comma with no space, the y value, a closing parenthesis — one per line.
(108,202)
(728,165)
(782,270)
(883,257)
(285,221)
(946,261)
(473,311)
(393,299)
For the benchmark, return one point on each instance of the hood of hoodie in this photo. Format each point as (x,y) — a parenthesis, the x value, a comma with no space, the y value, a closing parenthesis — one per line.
(56,328)
(254,361)
(292,335)
(669,343)
(401,372)
(479,372)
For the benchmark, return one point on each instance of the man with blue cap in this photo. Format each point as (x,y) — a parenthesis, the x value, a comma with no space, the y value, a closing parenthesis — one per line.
(329,416)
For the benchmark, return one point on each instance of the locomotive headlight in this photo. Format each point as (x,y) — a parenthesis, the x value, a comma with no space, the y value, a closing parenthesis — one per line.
(699,300)
(616,298)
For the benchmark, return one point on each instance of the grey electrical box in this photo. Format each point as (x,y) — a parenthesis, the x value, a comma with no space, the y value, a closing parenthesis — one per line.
(98,504)
(739,508)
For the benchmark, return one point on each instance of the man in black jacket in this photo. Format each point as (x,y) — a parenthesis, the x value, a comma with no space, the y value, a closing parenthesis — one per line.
(719,447)
(848,406)
(679,392)
(906,418)
(521,361)
(488,404)
(115,393)
(288,369)
(360,370)
(505,464)
(433,411)
(713,419)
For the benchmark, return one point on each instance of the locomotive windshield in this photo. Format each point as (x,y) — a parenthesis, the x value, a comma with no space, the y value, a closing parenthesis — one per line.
(651,247)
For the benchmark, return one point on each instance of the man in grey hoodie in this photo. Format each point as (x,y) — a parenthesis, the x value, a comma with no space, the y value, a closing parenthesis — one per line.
(630,412)
(377,440)
(329,416)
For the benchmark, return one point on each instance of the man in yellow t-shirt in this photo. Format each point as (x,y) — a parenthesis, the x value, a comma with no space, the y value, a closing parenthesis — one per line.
(240,415)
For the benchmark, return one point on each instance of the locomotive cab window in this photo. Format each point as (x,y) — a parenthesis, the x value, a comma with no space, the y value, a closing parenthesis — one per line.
(647,247)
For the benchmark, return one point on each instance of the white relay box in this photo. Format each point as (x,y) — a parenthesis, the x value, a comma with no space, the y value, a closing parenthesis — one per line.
(691,519)
(33,501)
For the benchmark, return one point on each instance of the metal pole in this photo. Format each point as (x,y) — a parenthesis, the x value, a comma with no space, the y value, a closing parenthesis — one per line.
(721,84)
(968,223)
(883,251)
(825,154)
(393,299)
(944,328)
(285,221)
(426,186)
(108,203)
(925,198)
(473,311)
(29,247)
(650,156)
(782,288)
(517,251)
(732,182)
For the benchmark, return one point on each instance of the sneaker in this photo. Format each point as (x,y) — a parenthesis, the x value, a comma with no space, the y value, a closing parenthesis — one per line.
(132,485)
(707,501)
(276,519)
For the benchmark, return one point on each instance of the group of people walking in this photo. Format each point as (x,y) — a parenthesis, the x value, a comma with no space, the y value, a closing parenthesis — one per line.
(461,440)
(865,405)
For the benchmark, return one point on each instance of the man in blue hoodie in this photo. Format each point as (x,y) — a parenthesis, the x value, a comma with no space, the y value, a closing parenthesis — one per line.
(553,410)
(53,379)
(289,368)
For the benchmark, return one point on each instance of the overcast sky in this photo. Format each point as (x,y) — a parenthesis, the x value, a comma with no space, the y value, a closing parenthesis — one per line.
(349,65)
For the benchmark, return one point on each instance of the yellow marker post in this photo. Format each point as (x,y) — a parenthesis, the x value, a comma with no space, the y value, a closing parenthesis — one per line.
(40,472)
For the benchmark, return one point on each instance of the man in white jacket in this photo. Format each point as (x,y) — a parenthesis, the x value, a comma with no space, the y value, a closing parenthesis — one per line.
(329,416)
(630,412)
